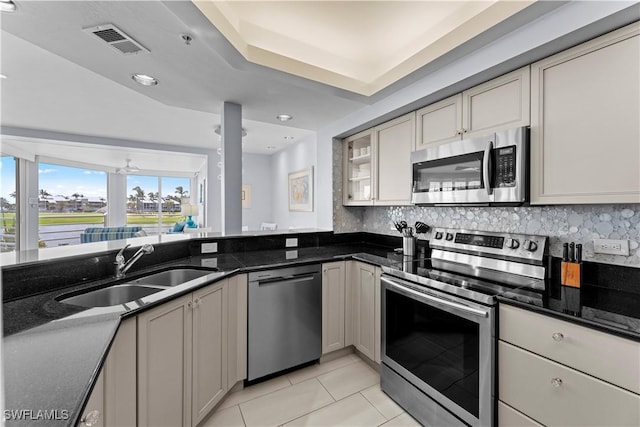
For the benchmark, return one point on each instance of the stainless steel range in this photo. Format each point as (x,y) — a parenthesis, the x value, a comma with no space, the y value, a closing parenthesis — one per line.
(438,322)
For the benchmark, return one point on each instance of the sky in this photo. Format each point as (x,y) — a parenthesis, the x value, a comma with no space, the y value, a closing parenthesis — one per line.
(63,180)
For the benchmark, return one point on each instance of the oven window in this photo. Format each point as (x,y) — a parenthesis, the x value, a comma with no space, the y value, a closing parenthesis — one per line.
(440,348)
(451,174)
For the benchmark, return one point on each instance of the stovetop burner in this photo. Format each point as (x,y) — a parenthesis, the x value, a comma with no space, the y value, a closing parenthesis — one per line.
(480,266)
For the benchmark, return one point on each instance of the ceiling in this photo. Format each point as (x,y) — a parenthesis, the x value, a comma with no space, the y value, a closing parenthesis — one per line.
(61,78)
(360,46)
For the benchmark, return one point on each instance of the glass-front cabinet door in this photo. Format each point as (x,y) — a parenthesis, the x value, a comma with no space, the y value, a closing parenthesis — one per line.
(358,169)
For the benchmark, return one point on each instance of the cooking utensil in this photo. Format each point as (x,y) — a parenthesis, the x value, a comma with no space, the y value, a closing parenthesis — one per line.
(579,252)
(403,224)
(398,226)
(421,227)
(565,252)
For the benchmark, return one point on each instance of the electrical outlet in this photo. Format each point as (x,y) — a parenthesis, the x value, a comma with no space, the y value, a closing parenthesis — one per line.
(291,242)
(611,247)
(209,262)
(209,248)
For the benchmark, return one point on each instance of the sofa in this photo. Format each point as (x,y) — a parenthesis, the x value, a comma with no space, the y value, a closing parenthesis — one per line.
(110,233)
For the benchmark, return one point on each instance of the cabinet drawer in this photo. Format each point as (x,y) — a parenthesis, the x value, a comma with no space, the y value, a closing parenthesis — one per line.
(526,383)
(509,417)
(588,350)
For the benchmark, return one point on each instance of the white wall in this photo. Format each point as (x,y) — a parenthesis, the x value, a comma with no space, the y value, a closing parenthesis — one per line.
(301,155)
(257,174)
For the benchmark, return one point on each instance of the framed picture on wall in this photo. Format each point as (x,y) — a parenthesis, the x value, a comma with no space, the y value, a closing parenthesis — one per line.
(246,196)
(301,190)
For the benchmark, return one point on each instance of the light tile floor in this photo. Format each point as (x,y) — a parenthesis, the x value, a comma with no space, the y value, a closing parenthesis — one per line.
(341,392)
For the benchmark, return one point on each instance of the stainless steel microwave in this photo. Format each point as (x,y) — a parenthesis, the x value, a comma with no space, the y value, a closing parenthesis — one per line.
(491,170)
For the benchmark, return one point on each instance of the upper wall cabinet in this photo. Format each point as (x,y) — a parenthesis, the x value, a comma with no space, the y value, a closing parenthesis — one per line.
(585,137)
(500,103)
(377,164)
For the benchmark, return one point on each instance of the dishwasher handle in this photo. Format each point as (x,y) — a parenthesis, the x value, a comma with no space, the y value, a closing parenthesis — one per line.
(284,280)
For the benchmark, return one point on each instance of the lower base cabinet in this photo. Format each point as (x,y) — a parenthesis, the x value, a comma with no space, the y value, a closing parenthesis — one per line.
(113,399)
(363,308)
(184,348)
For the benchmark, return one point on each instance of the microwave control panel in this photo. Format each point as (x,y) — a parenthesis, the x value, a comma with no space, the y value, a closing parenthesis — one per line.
(505,161)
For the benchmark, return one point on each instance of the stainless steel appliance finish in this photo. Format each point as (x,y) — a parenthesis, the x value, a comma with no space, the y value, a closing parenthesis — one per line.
(483,171)
(285,319)
(438,322)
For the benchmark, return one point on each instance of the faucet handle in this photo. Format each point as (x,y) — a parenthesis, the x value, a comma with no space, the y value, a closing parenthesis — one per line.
(120,255)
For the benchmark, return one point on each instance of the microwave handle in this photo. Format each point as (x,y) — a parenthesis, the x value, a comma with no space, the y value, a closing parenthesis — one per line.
(486,167)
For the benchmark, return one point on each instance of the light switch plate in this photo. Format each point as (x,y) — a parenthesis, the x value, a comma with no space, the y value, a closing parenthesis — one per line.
(611,247)
(209,248)
(291,242)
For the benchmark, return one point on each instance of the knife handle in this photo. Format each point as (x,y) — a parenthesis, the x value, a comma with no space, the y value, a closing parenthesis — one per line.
(572,252)
(579,253)
(565,252)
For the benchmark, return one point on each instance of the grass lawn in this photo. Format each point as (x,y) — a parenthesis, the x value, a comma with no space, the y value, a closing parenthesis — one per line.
(7,219)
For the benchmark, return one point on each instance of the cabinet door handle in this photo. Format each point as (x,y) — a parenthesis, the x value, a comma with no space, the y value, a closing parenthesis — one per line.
(558,336)
(556,382)
(464,130)
(190,304)
(91,419)
(458,132)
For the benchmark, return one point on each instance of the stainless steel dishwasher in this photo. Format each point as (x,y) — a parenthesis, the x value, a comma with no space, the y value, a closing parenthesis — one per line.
(285,319)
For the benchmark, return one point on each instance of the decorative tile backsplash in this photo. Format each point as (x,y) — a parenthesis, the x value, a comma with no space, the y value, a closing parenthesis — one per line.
(575,223)
(567,223)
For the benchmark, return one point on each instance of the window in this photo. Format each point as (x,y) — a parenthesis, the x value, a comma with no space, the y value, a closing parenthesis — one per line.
(153,202)
(69,201)
(8,204)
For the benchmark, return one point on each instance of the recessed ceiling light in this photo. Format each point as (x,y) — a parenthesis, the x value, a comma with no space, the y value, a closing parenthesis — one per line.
(2,76)
(144,80)
(7,6)
(284,117)
(288,138)
(271,147)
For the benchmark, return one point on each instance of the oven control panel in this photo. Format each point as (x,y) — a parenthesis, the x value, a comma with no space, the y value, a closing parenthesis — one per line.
(484,242)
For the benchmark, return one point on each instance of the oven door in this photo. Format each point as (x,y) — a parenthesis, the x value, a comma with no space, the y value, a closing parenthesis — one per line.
(442,345)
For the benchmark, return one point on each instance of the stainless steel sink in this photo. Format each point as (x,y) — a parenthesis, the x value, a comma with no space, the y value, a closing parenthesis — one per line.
(113,295)
(172,277)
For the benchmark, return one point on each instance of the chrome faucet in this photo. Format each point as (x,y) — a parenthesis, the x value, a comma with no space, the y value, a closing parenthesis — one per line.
(122,267)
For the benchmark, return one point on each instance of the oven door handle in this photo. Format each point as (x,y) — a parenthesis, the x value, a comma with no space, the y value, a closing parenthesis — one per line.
(486,167)
(436,300)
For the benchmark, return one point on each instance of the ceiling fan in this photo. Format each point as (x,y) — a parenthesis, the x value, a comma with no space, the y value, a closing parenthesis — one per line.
(127,168)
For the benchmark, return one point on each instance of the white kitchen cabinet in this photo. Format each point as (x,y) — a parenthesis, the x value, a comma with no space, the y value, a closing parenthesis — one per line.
(377,164)
(364,281)
(114,394)
(164,364)
(358,168)
(93,414)
(333,306)
(573,374)
(498,104)
(556,395)
(394,140)
(509,417)
(585,138)
(182,358)
(209,375)
(237,330)
(439,122)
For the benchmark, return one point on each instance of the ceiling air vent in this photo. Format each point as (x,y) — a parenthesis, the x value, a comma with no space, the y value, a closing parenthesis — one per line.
(117,39)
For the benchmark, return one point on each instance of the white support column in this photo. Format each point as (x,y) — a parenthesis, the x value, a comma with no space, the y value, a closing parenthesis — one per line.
(28,194)
(116,200)
(231,130)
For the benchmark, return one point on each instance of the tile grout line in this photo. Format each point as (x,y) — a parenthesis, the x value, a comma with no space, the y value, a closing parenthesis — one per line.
(242,415)
(374,406)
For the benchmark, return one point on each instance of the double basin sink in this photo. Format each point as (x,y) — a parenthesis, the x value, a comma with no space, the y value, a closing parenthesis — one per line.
(132,290)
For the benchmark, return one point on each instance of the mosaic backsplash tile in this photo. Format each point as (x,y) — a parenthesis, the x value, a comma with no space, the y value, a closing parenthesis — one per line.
(576,223)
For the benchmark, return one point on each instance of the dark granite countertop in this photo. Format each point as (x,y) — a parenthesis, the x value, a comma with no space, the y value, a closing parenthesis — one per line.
(608,300)
(53,352)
